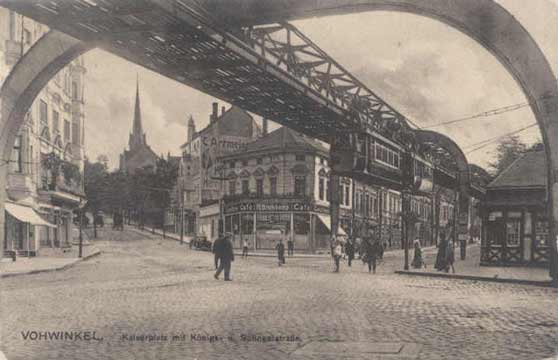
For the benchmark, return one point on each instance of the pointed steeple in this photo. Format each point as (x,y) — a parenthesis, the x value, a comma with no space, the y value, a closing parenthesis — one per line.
(137,137)
(191,129)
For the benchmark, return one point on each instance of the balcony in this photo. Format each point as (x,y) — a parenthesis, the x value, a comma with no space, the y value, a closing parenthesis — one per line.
(61,180)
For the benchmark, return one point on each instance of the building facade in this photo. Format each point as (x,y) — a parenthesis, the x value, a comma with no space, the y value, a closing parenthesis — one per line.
(515,228)
(199,185)
(45,181)
(139,154)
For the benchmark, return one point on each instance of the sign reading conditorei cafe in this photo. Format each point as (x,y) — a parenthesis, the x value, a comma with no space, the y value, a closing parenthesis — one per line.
(267,206)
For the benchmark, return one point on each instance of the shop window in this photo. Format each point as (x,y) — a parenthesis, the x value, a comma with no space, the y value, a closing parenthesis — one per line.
(232,187)
(301,224)
(245,187)
(300,185)
(247,224)
(321,190)
(513,231)
(273,186)
(541,233)
(259,187)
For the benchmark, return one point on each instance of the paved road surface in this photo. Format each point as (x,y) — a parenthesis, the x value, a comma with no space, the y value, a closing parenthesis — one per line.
(143,286)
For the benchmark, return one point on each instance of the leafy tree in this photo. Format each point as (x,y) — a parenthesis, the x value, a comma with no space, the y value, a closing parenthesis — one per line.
(509,149)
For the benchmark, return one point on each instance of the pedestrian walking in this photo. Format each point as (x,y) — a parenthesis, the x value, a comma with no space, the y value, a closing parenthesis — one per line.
(224,251)
(337,252)
(290,246)
(450,257)
(280,252)
(441,256)
(417,258)
(350,251)
(372,249)
(245,249)
(216,249)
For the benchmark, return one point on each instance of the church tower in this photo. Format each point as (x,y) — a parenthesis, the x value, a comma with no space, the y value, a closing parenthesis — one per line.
(137,137)
(139,155)
(191,129)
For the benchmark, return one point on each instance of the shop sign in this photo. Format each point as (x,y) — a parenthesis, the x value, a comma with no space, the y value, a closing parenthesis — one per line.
(267,207)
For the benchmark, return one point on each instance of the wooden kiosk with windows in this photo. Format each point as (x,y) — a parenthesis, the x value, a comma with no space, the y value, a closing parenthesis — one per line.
(514,215)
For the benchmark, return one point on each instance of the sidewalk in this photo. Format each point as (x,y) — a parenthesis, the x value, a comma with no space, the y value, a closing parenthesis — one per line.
(469,269)
(45,263)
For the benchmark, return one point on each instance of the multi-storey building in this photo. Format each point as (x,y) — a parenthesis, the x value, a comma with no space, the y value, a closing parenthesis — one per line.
(199,184)
(45,180)
(278,187)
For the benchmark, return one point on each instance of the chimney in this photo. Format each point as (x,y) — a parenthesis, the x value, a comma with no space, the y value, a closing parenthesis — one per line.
(223,110)
(215,113)
(264,126)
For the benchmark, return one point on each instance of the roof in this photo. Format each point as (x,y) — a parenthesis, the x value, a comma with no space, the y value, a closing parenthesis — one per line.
(527,171)
(283,139)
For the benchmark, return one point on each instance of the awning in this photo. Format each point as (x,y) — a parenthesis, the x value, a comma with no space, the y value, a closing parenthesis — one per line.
(326,220)
(26,214)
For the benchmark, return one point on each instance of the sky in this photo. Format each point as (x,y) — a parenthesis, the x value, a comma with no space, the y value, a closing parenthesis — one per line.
(426,70)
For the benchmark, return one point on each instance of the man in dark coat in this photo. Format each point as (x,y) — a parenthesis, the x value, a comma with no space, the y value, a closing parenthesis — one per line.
(224,251)
(350,251)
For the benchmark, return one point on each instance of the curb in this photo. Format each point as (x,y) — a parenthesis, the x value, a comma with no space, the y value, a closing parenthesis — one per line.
(301,256)
(477,278)
(63,267)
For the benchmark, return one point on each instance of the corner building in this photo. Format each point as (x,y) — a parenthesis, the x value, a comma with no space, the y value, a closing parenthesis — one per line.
(45,180)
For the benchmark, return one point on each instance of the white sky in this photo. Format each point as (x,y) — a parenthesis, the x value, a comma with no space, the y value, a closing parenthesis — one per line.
(425,69)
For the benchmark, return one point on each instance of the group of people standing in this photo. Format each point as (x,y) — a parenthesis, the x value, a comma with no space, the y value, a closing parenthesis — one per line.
(371,250)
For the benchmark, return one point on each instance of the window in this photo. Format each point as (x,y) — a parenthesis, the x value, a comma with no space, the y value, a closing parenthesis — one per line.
(375,207)
(43,112)
(75,133)
(232,187)
(357,202)
(341,192)
(231,165)
(300,157)
(245,187)
(244,162)
(367,205)
(347,195)
(259,161)
(386,155)
(12,25)
(273,186)
(66,130)
(75,92)
(300,185)
(321,189)
(17,159)
(55,121)
(259,187)
(27,37)
(513,231)
(327,191)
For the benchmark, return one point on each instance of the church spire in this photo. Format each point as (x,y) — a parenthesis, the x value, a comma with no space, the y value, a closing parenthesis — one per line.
(137,137)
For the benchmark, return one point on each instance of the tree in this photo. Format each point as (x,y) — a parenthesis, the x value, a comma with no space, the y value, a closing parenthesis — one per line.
(509,149)
(103,159)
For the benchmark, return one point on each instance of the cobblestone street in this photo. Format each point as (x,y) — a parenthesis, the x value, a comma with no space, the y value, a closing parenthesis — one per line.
(148,286)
